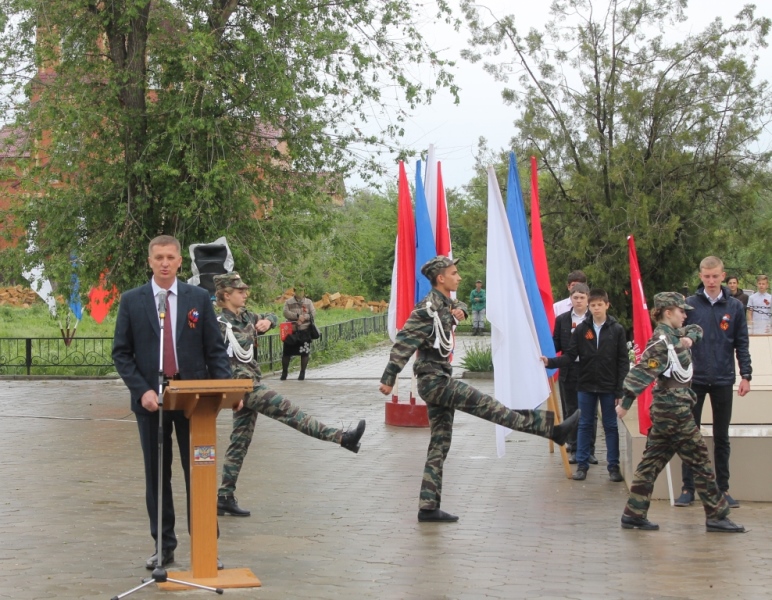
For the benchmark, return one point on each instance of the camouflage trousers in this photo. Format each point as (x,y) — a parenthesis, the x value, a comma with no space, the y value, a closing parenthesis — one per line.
(443,396)
(671,434)
(271,404)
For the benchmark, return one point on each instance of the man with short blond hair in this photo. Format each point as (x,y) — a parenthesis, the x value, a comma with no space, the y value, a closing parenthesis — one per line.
(725,329)
(192,349)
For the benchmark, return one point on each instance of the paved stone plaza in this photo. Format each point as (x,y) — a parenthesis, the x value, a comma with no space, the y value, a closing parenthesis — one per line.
(329,524)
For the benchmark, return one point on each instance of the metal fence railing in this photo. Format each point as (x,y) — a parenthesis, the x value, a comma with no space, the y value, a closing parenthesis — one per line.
(93,355)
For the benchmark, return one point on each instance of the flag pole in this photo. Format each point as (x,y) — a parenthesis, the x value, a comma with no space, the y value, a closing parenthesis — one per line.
(553,405)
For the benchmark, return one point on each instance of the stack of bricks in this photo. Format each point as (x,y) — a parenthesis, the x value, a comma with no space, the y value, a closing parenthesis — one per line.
(17,296)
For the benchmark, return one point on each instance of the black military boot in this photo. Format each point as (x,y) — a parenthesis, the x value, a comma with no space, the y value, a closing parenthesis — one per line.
(561,433)
(350,439)
(435,516)
(227,505)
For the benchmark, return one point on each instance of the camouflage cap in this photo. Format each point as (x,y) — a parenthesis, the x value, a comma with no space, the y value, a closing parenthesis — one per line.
(437,264)
(669,299)
(229,280)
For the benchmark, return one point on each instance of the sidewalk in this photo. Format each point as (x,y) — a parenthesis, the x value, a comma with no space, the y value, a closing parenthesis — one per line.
(329,524)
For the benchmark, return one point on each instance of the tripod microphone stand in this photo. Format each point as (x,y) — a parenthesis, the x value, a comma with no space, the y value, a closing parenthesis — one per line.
(159,573)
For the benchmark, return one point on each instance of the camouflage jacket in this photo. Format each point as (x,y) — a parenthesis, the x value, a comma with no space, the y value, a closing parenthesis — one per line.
(243,327)
(418,335)
(654,364)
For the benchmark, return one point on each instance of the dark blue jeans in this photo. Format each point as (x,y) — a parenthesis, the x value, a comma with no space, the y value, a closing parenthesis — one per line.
(721,402)
(587,403)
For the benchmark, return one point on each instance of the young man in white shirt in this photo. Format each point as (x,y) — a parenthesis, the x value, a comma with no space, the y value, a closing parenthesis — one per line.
(760,307)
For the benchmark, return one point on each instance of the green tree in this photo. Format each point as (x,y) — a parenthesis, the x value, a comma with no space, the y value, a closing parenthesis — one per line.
(191,117)
(636,133)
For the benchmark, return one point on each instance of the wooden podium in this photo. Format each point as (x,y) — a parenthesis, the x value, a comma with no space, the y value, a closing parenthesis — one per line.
(202,400)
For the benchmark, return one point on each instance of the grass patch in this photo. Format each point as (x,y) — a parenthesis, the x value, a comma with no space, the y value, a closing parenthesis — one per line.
(345,349)
(37,322)
(478,358)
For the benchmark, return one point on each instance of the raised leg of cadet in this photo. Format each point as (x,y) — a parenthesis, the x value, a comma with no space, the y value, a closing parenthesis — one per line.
(241,436)
(694,452)
(441,432)
(274,405)
(463,397)
(303,364)
(285,362)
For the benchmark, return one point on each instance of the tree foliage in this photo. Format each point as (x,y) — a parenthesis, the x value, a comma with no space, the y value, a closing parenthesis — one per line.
(191,117)
(636,132)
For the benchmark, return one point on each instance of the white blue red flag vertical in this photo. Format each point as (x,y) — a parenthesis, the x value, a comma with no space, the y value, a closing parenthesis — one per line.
(520,380)
(537,247)
(403,275)
(519,228)
(425,248)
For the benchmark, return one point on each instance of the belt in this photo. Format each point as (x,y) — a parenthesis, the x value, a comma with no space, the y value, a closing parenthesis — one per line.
(672,384)
(432,355)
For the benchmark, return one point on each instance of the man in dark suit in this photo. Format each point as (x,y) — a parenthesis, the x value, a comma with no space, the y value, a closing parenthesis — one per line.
(193,349)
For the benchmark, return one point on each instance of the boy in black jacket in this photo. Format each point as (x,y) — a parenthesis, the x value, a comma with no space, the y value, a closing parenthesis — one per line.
(601,345)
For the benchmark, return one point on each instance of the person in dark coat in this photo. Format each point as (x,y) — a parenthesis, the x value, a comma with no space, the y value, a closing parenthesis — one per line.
(193,349)
(725,336)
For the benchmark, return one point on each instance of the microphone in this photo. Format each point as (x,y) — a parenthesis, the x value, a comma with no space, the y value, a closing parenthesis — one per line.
(162,303)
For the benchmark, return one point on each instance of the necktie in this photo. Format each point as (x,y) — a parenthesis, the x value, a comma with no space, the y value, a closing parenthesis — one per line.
(170,364)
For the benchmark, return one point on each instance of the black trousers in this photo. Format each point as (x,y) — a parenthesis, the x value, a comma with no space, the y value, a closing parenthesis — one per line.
(721,402)
(173,420)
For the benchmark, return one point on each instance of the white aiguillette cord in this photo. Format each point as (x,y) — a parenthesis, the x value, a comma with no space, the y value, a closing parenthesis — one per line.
(244,356)
(677,370)
(673,364)
(442,342)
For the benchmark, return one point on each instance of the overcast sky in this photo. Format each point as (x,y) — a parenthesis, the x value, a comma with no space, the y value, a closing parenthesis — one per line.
(455,129)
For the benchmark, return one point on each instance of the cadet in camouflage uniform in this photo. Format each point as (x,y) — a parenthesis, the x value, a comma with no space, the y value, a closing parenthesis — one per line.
(667,359)
(240,329)
(429,331)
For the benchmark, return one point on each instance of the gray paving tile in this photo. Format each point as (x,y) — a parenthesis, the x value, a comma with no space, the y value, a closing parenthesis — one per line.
(329,524)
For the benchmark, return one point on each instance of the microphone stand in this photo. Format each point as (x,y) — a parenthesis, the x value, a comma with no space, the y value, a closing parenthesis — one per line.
(159,573)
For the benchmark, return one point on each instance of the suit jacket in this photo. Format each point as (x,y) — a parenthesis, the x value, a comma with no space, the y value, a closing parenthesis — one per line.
(200,348)
(561,336)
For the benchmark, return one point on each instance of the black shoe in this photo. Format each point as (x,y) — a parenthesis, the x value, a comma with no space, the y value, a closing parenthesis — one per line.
(350,439)
(731,501)
(685,499)
(572,458)
(592,460)
(227,505)
(580,475)
(615,475)
(302,376)
(638,523)
(220,566)
(436,516)
(561,432)
(152,562)
(283,376)
(723,526)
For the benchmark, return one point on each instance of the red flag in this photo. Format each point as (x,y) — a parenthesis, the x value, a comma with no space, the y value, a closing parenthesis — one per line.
(641,332)
(442,240)
(537,249)
(405,250)
(100,299)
